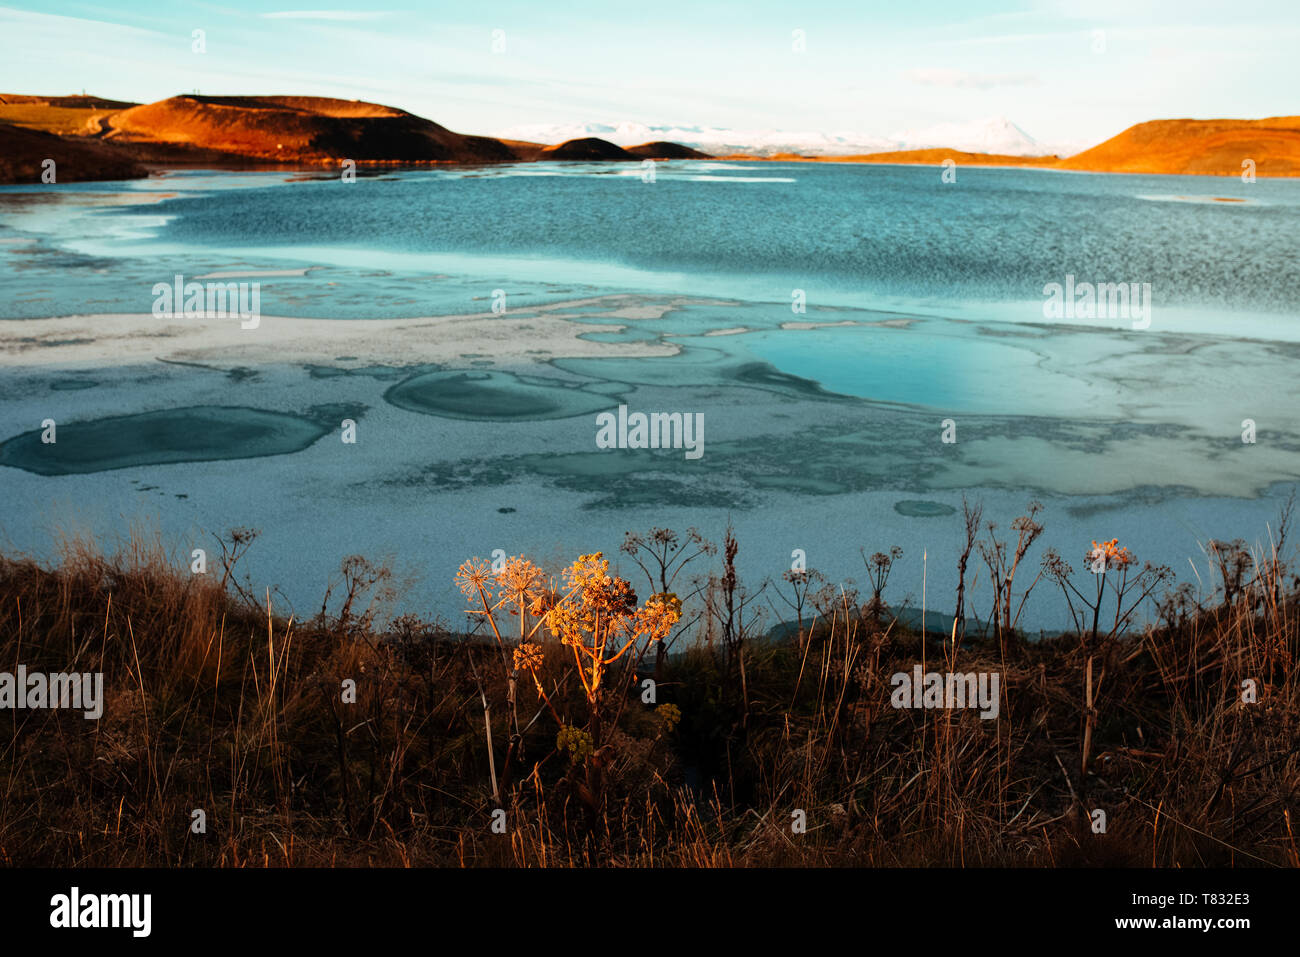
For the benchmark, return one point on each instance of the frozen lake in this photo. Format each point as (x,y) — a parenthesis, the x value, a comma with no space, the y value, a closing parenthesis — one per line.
(832,324)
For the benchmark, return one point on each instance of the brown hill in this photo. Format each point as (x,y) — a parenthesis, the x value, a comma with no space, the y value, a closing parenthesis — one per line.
(1205,147)
(1199,147)
(23,151)
(79,101)
(586,148)
(525,150)
(296,129)
(65,115)
(662,150)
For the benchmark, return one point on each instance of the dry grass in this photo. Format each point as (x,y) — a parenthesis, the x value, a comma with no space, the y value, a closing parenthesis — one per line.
(213,703)
(63,120)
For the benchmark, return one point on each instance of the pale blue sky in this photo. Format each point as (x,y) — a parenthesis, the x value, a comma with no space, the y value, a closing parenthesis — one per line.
(869,66)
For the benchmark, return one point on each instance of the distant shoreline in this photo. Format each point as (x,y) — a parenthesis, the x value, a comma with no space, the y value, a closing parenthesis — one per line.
(88,138)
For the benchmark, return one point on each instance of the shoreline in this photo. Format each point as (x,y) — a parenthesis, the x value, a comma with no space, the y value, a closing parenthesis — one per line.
(160,170)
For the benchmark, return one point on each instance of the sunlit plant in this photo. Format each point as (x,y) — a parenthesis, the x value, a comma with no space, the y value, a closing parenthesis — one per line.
(1115,571)
(592,613)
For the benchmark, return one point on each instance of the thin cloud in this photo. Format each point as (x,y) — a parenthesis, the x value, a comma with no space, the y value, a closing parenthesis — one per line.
(324,15)
(959,79)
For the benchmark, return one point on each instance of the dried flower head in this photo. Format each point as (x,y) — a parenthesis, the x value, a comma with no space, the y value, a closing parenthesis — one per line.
(520,579)
(669,715)
(578,743)
(528,656)
(1109,555)
(566,623)
(473,575)
(657,617)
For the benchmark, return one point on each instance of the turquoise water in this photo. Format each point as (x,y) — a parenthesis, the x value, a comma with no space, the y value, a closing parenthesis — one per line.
(921,306)
(851,235)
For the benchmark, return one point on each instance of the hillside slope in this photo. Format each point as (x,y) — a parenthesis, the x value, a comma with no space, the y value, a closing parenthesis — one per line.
(23,151)
(1176,147)
(1205,147)
(65,115)
(287,129)
(661,150)
(586,148)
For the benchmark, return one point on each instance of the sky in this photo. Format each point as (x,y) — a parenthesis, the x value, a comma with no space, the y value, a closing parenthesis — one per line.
(1065,71)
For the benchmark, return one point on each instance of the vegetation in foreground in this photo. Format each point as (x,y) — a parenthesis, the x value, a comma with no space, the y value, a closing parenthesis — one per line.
(570,723)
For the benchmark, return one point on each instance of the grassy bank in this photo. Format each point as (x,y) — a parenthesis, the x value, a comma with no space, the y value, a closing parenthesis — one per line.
(351,739)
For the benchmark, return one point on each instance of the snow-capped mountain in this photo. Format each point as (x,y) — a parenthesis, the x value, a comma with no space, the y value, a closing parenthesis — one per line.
(993,135)
(997,134)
